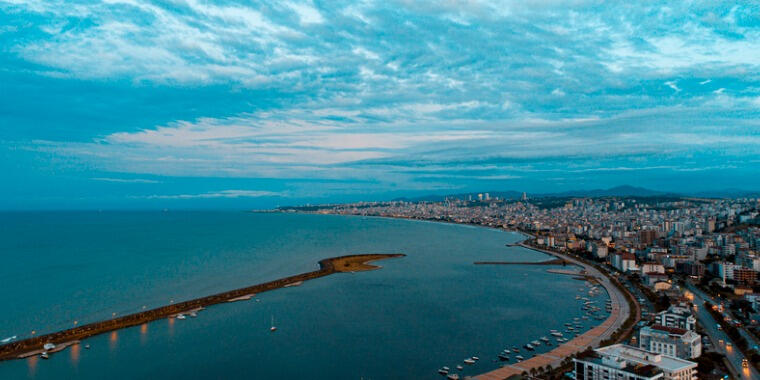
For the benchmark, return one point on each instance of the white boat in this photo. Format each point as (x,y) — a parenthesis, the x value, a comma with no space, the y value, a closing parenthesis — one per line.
(475,358)
(48,346)
(443,371)
(87,346)
(469,361)
(535,343)
(459,367)
(556,333)
(181,316)
(529,347)
(519,358)
(273,328)
(44,355)
(453,376)
(544,339)
(8,339)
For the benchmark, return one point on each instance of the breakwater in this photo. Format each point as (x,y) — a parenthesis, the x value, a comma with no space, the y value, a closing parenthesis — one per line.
(351,263)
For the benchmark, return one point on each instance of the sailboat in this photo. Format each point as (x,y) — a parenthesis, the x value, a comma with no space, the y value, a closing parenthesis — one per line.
(273,328)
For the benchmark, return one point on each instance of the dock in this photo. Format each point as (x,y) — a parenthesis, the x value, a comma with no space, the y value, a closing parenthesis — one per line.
(32,346)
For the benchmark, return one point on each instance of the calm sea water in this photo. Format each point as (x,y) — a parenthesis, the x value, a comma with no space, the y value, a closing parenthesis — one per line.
(418,313)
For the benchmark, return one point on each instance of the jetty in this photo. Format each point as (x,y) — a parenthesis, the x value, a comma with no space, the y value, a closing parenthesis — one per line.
(557,261)
(31,346)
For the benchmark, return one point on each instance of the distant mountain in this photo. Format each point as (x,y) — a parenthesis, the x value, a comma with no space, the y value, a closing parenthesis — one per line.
(617,191)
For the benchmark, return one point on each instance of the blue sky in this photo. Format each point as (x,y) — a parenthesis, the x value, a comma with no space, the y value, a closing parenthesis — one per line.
(138,104)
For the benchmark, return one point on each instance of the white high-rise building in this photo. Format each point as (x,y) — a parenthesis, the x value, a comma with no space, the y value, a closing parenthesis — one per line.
(621,362)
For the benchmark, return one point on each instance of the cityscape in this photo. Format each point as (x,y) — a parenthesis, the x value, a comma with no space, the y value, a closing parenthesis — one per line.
(379,189)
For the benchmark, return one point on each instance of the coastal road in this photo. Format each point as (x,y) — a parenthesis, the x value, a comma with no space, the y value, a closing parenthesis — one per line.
(592,338)
(709,324)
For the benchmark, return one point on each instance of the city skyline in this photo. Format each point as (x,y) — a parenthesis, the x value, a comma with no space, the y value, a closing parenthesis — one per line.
(132,104)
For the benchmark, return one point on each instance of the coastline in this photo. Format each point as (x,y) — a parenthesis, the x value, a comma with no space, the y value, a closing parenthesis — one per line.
(592,338)
(618,316)
(31,346)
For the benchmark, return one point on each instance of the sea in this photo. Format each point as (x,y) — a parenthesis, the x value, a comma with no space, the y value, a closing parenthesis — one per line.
(430,309)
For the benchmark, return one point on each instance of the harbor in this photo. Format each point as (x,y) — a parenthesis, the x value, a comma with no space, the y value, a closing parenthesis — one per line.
(618,313)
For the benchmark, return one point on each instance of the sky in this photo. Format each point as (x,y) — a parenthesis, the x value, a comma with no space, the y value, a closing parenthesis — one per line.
(242,104)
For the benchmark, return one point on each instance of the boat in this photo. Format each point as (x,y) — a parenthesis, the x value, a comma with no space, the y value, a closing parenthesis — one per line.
(459,367)
(45,355)
(8,339)
(453,376)
(273,328)
(535,343)
(556,333)
(87,346)
(519,358)
(529,347)
(503,357)
(475,358)
(193,314)
(181,316)
(48,346)
(469,361)
(444,371)
(515,349)
(544,339)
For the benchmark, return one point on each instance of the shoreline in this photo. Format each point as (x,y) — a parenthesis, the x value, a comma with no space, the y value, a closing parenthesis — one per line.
(619,313)
(34,345)
(620,310)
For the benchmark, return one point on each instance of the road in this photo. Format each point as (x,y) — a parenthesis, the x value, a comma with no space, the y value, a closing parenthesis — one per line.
(709,324)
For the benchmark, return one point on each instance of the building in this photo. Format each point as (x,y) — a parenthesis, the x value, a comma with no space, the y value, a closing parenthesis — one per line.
(671,341)
(623,362)
(623,261)
(676,316)
(745,276)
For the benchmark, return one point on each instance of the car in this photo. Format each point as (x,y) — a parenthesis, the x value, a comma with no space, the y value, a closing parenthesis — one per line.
(745,364)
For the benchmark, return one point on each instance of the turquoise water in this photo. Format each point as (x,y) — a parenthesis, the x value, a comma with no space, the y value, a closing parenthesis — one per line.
(418,313)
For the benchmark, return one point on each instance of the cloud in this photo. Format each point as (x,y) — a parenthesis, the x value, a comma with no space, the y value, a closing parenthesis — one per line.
(218,194)
(125,180)
(673,85)
(395,92)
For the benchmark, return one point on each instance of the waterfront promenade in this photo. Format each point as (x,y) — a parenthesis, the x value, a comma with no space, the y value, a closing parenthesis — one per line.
(619,313)
(34,345)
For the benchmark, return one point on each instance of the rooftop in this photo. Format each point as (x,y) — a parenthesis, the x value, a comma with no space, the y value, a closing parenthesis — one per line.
(637,355)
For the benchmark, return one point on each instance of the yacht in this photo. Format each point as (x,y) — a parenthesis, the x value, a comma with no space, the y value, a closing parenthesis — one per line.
(519,358)
(503,357)
(453,376)
(529,347)
(469,361)
(181,316)
(556,333)
(45,355)
(8,339)
(544,339)
(475,358)
(444,371)
(459,367)
(515,349)
(535,343)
